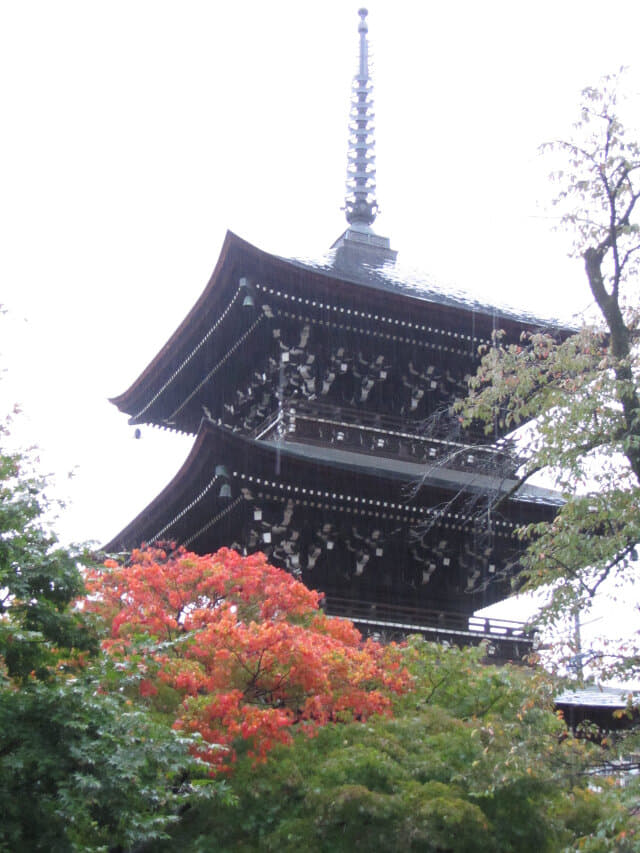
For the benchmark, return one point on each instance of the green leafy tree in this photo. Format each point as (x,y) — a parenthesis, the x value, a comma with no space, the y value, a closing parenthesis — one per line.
(474,759)
(81,769)
(38,579)
(581,389)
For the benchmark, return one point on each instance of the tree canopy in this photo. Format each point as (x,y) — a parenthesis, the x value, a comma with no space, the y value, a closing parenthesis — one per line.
(327,741)
(83,765)
(579,387)
(473,759)
(238,650)
(38,579)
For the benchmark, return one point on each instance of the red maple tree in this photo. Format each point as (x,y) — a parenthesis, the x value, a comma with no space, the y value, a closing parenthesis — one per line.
(245,646)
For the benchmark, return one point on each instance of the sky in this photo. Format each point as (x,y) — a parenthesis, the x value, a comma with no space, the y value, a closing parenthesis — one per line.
(136,132)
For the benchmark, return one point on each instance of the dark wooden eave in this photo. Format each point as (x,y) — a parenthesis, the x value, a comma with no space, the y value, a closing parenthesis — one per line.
(390,547)
(216,324)
(313,469)
(318,486)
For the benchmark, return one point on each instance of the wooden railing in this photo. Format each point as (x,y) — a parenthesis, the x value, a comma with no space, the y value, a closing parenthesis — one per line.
(383,435)
(506,639)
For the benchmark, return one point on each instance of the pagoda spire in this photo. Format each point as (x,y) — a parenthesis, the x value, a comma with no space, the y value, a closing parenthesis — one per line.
(359,245)
(361,206)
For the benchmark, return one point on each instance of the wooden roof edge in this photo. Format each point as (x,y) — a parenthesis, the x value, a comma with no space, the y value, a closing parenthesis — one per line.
(233,244)
(208,433)
(192,464)
(231,241)
(219,441)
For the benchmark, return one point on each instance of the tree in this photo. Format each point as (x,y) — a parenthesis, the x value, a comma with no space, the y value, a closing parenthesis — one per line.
(473,759)
(81,769)
(237,650)
(580,388)
(84,770)
(38,579)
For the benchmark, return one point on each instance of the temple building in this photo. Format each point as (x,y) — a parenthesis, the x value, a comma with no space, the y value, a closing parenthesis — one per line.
(320,398)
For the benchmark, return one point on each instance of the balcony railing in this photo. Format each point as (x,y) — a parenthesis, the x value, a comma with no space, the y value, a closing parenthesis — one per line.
(506,639)
(323,424)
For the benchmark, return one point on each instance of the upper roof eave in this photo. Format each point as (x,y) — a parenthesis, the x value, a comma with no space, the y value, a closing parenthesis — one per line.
(374,279)
(388,280)
(121,400)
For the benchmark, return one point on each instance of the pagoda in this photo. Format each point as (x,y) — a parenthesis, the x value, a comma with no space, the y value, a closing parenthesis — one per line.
(320,398)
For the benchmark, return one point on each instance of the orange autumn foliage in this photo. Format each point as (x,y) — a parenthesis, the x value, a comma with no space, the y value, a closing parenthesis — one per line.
(244,644)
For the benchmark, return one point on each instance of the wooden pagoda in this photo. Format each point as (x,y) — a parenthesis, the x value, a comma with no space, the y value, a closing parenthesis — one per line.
(320,399)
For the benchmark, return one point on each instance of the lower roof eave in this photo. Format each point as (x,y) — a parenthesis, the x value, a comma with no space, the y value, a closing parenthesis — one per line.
(307,464)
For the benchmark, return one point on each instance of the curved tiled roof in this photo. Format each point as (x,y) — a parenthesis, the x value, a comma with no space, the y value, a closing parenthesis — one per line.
(215,445)
(387,291)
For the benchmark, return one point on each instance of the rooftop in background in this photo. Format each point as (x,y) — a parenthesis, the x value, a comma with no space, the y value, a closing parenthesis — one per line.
(594,696)
(604,707)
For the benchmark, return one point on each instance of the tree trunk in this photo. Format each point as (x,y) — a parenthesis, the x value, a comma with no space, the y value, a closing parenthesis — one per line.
(620,348)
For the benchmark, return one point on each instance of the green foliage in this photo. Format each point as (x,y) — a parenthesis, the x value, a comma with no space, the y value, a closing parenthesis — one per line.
(38,579)
(474,760)
(580,438)
(597,190)
(80,769)
(580,389)
(580,392)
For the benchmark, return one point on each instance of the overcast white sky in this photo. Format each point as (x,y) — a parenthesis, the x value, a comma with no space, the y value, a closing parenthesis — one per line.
(135,133)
